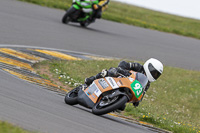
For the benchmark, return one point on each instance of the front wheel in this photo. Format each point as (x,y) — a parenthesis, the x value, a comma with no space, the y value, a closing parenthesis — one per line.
(71,97)
(103,107)
(66,17)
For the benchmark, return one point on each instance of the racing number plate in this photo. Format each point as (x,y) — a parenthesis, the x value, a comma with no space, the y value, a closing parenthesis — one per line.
(137,88)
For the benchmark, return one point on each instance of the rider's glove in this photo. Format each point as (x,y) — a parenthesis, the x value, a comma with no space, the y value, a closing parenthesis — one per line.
(95,7)
(104,73)
(112,72)
(136,104)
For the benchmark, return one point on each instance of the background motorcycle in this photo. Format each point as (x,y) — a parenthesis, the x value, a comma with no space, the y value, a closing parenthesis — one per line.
(109,94)
(79,12)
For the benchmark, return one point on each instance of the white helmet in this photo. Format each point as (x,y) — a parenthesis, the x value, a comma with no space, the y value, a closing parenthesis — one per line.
(153,69)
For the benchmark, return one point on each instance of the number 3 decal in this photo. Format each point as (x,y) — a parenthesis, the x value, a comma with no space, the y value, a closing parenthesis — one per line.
(137,88)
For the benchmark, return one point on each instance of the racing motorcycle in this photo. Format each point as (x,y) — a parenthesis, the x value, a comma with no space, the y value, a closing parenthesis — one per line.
(109,94)
(79,12)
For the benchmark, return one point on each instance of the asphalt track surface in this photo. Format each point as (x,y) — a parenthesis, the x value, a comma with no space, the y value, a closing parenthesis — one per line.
(34,108)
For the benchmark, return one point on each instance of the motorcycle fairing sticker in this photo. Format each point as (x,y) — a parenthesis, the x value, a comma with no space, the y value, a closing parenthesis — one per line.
(91,88)
(103,83)
(94,89)
(97,92)
(112,82)
(131,79)
(137,88)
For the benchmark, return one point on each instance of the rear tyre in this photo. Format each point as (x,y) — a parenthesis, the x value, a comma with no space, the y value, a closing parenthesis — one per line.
(71,97)
(84,23)
(98,109)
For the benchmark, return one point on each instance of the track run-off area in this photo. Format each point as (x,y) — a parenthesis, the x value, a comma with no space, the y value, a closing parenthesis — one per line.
(31,33)
(19,62)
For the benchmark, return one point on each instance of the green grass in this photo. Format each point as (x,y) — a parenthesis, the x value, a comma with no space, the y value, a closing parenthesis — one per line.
(8,128)
(171,103)
(137,16)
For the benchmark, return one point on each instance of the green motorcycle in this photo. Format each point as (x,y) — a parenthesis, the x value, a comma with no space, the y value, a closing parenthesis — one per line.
(80,12)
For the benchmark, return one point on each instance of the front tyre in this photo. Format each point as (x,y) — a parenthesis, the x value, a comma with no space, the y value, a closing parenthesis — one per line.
(101,107)
(71,97)
(66,17)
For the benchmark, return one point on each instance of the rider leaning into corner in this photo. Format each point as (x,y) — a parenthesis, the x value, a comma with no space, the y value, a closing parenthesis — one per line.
(152,68)
(98,9)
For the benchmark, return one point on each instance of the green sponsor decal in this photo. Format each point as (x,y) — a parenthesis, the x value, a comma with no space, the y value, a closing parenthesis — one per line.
(76,6)
(137,88)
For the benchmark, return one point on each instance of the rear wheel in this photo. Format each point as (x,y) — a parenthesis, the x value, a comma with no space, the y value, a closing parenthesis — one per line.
(84,23)
(106,106)
(71,97)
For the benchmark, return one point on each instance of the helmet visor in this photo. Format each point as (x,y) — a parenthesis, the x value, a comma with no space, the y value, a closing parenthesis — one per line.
(155,73)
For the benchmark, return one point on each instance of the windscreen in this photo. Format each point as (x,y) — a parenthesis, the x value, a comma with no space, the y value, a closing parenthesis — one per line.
(142,79)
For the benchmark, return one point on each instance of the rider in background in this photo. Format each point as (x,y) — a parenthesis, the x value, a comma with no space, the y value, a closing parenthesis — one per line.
(152,68)
(98,9)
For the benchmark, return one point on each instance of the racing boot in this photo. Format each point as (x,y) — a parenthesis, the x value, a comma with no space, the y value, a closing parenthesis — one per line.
(136,104)
(95,16)
(122,107)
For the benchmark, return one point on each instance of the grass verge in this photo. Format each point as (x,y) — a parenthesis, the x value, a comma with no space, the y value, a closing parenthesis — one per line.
(8,128)
(137,16)
(171,103)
